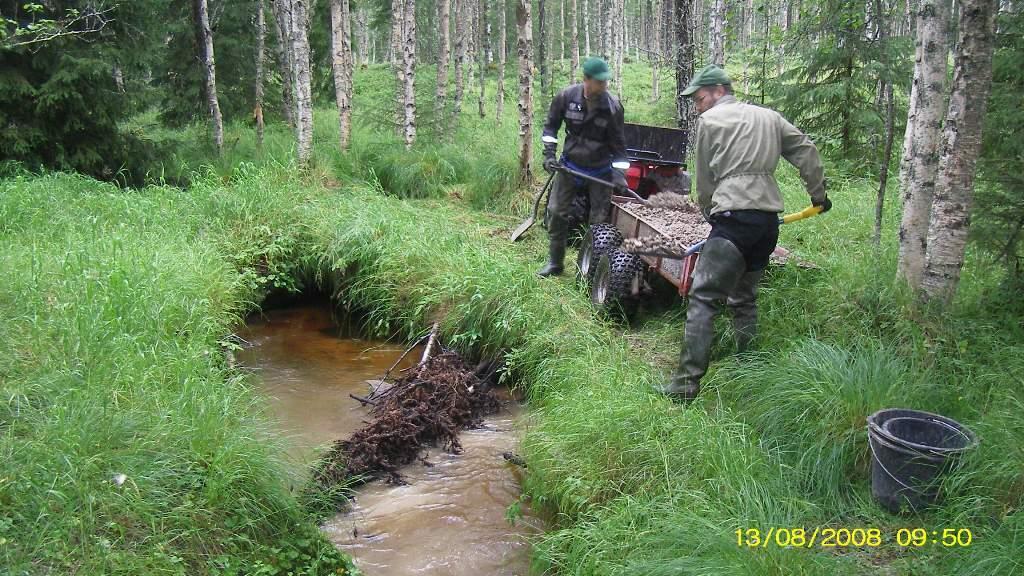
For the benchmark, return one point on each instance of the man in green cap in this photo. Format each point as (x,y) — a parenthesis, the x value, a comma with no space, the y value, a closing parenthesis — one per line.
(738,149)
(594,145)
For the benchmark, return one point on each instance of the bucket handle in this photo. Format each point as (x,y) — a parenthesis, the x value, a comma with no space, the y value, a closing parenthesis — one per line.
(874,455)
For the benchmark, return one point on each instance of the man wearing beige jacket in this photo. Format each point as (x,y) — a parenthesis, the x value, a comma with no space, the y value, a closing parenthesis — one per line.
(738,148)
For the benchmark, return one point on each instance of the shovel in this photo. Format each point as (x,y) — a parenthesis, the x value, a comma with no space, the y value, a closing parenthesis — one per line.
(528,223)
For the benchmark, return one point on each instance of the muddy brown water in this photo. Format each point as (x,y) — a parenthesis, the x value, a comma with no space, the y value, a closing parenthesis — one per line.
(450,519)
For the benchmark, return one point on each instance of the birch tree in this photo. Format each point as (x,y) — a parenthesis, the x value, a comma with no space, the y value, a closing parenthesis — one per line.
(542,46)
(341,60)
(409,72)
(961,146)
(920,148)
(285,60)
(586,27)
(685,110)
(502,49)
(574,54)
(443,48)
(460,57)
(483,48)
(303,81)
(261,36)
(524,49)
(716,45)
(204,39)
(397,62)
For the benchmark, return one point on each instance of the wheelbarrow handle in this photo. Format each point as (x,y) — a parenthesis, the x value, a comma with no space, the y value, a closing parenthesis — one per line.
(605,183)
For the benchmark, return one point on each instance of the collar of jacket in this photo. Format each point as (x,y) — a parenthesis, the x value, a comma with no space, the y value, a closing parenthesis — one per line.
(727,99)
(603,101)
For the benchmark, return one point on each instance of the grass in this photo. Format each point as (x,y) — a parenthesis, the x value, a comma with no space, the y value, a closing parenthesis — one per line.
(117,300)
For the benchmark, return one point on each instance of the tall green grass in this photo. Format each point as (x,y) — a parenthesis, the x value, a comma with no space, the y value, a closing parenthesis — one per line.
(126,444)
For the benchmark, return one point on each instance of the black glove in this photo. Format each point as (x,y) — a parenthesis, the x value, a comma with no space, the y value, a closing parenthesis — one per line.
(550,164)
(825,204)
(622,189)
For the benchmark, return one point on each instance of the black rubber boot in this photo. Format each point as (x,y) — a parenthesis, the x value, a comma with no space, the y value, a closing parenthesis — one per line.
(743,303)
(719,269)
(558,235)
(680,389)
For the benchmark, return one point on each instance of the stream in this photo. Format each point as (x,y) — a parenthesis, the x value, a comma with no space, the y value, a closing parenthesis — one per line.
(450,517)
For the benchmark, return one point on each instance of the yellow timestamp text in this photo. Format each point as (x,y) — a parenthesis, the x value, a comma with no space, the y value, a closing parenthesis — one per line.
(822,537)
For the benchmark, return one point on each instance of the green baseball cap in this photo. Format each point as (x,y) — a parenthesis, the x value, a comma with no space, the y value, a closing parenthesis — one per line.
(597,69)
(707,76)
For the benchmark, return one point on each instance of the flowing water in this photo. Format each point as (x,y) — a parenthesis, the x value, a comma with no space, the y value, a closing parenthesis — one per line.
(450,519)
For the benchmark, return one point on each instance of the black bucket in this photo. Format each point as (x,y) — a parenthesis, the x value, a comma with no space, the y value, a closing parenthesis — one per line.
(911,451)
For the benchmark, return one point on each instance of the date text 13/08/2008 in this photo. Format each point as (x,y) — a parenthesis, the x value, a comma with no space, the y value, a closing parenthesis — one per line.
(851,537)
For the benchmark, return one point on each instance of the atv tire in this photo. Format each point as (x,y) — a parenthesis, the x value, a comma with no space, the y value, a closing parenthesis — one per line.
(599,240)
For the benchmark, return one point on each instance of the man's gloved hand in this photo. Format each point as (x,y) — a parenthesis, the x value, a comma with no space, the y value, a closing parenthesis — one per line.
(550,164)
(621,189)
(825,204)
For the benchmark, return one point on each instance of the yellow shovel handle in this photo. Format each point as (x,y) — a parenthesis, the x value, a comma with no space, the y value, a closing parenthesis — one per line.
(805,213)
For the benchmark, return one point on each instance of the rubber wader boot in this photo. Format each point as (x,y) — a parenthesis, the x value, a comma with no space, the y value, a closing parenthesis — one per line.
(719,269)
(558,232)
(743,303)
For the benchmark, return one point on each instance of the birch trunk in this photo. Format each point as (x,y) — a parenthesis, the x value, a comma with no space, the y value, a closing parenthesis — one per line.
(924,124)
(502,50)
(574,54)
(655,51)
(886,97)
(561,35)
(961,146)
(586,27)
(409,72)
(204,38)
(524,50)
(363,34)
(397,61)
(685,111)
(261,39)
(444,44)
(482,55)
(460,58)
(303,81)
(341,60)
(716,46)
(283,27)
(542,45)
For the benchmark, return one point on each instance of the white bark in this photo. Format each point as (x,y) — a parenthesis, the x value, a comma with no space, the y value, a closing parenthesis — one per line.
(716,45)
(398,62)
(502,50)
(924,123)
(961,146)
(481,16)
(363,34)
(574,54)
(444,47)
(524,48)
(460,56)
(656,51)
(586,27)
(303,81)
(283,26)
(409,72)
(341,60)
(261,36)
(204,38)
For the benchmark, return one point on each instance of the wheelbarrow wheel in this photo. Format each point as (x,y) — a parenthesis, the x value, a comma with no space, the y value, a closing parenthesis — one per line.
(616,284)
(599,240)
